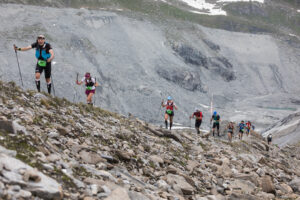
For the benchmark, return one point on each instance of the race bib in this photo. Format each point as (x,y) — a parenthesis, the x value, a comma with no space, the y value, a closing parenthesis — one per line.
(89,88)
(42,63)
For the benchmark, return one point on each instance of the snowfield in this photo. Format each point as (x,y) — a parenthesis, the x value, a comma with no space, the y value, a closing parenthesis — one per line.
(212,9)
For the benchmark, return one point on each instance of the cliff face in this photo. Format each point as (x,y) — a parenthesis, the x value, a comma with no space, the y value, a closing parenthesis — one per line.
(139,60)
(285,131)
(82,152)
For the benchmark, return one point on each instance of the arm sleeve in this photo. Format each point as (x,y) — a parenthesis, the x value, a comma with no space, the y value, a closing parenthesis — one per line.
(93,80)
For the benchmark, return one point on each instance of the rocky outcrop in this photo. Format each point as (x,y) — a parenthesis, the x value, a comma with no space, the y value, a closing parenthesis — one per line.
(74,151)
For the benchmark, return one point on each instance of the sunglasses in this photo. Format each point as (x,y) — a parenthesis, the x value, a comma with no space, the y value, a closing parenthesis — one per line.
(41,38)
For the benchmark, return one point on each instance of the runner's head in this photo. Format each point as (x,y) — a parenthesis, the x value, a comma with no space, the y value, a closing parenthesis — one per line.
(197,109)
(41,40)
(87,75)
(169,98)
(242,121)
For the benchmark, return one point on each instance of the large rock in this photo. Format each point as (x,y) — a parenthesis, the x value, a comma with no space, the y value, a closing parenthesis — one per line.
(117,194)
(246,187)
(267,185)
(45,188)
(91,157)
(122,155)
(12,127)
(179,184)
(156,159)
(295,184)
(8,152)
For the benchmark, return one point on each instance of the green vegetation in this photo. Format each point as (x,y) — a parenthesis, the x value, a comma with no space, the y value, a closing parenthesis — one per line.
(235,21)
(270,15)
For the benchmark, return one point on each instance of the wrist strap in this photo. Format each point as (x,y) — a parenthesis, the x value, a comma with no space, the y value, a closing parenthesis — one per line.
(19,49)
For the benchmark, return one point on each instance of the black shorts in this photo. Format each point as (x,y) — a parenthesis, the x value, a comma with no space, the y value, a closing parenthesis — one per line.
(198,123)
(171,115)
(269,139)
(216,125)
(47,69)
(241,131)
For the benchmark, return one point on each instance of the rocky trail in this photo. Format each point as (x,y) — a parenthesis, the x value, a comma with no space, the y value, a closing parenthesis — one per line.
(53,149)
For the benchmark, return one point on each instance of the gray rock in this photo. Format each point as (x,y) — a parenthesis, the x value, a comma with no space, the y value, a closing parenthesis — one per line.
(46,188)
(90,157)
(179,182)
(8,152)
(137,196)
(53,157)
(117,193)
(12,127)
(295,184)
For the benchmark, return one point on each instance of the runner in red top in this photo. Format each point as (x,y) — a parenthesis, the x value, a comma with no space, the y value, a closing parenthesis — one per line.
(198,115)
(248,127)
(170,105)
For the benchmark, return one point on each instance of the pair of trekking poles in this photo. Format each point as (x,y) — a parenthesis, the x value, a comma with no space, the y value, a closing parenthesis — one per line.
(75,95)
(20,73)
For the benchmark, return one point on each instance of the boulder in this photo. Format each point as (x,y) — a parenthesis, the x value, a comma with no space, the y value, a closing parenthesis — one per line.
(156,159)
(12,127)
(295,184)
(267,185)
(91,157)
(45,188)
(122,155)
(179,184)
(117,194)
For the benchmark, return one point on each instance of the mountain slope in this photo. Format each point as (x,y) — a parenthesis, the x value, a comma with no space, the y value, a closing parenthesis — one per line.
(93,153)
(286,131)
(139,60)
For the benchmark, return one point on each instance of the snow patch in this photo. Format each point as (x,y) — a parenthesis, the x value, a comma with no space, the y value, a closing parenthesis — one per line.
(281,128)
(259,1)
(298,11)
(211,8)
(293,35)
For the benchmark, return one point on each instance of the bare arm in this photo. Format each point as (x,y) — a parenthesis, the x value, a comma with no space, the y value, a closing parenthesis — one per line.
(79,82)
(96,84)
(52,55)
(22,48)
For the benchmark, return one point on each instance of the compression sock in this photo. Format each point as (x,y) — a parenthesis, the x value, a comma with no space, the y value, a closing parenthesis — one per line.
(49,87)
(171,123)
(38,84)
(166,122)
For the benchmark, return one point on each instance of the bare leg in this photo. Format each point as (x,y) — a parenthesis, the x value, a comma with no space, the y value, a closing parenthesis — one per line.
(89,98)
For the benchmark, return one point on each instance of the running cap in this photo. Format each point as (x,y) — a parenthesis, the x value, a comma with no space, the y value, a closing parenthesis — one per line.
(41,37)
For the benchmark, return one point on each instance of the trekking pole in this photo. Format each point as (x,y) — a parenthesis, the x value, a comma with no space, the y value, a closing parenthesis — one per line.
(160,106)
(75,95)
(53,85)
(95,92)
(19,66)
